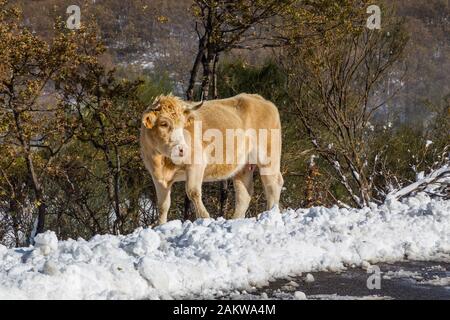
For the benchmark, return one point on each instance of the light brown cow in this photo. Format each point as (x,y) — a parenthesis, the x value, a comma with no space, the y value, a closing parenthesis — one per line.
(211,141)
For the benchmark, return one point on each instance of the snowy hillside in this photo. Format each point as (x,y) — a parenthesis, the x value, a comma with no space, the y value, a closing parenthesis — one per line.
(209,257)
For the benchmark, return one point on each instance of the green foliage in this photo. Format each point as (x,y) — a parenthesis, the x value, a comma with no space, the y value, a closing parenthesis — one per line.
(152,87)
(267,80)
(408,150)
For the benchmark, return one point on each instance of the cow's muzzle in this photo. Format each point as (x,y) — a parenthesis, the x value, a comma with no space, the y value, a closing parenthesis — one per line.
(179,153)
(179,150)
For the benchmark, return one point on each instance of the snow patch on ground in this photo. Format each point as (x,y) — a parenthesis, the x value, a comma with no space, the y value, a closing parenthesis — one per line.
(402,274)
(437,281)
(210,258)
(337,297)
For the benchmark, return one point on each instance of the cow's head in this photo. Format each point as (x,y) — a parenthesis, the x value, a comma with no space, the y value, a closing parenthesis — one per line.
(165,121)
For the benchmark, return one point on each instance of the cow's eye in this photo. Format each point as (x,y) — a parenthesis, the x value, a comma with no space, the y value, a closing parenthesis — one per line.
(164,124)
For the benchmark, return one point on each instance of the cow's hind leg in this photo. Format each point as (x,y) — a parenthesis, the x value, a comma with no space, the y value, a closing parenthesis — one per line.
(272,188)
(269,169)
(243,187)
(194,180)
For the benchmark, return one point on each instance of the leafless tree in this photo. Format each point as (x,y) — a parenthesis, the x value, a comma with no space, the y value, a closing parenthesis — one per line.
(337,85)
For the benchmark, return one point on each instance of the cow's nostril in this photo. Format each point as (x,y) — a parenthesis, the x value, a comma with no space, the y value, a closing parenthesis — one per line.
(181,152)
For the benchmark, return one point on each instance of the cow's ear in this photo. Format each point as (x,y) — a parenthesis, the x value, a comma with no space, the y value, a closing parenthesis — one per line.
(149,120)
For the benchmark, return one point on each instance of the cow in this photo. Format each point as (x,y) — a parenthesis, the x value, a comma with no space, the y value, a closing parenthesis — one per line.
(184,141)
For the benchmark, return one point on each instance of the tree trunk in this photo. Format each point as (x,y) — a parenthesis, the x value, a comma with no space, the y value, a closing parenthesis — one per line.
(223,198)
(207,75)
(116,171)
(118,221)
(42,209)
(39,197)
(214,87)
(14,211)
(194,71)
(187,208)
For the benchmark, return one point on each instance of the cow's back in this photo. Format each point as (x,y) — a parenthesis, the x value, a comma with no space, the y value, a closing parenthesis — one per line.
(243,111)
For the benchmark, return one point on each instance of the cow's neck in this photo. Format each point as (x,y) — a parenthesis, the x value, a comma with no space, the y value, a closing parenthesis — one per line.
(163,168)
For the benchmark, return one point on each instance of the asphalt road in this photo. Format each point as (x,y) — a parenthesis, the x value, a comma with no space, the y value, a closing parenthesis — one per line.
(405,280)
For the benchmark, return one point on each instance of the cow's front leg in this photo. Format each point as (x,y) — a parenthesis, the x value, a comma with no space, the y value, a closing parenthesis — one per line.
(194,180)
(163,195)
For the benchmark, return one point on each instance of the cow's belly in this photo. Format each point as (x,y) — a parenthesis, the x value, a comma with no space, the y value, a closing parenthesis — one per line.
(214,172)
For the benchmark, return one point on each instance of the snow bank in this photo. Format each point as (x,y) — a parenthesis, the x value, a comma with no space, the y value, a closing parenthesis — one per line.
(210,257)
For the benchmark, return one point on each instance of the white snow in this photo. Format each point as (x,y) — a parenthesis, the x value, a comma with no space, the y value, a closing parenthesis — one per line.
(46,242)
(209,257)
(433,180)
(298,295)
(437,281)
(309,278)
(337,297)
(402,274)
